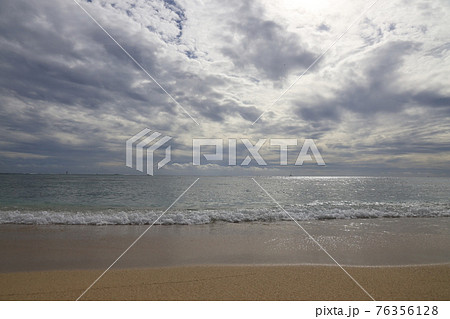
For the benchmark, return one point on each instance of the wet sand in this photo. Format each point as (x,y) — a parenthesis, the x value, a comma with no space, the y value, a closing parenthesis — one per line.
(361,242)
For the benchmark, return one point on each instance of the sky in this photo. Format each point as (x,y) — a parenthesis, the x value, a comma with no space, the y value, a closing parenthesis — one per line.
(376,102)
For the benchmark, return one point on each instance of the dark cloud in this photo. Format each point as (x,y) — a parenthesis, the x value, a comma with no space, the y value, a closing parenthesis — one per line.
(179,13)
(323,27)
(265,44)
(382,90)
(318,114)
(377,90)
(69,61)
(433,99)
(440,51)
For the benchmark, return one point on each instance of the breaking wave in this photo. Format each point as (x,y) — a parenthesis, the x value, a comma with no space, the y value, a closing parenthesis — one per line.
(312,211)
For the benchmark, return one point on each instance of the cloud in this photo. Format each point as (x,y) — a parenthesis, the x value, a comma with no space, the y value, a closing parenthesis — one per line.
(378,89)
(323,27)
(70,97)
(264,44)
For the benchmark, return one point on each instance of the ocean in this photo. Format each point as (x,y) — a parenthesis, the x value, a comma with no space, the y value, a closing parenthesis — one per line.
(140,200)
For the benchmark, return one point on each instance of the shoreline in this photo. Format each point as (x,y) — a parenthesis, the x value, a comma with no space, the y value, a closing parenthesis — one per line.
(138,268)
(232,282)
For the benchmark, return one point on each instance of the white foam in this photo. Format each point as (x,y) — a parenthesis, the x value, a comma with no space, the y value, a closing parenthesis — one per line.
(312,211)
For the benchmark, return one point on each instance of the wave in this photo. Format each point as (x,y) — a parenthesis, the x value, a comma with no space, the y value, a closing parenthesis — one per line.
(312,211)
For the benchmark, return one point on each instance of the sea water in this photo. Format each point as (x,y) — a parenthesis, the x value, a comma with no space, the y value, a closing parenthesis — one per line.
(140,200)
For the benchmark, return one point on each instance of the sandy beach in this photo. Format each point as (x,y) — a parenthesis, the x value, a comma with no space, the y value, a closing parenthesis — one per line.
(408,260)
(233,283)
